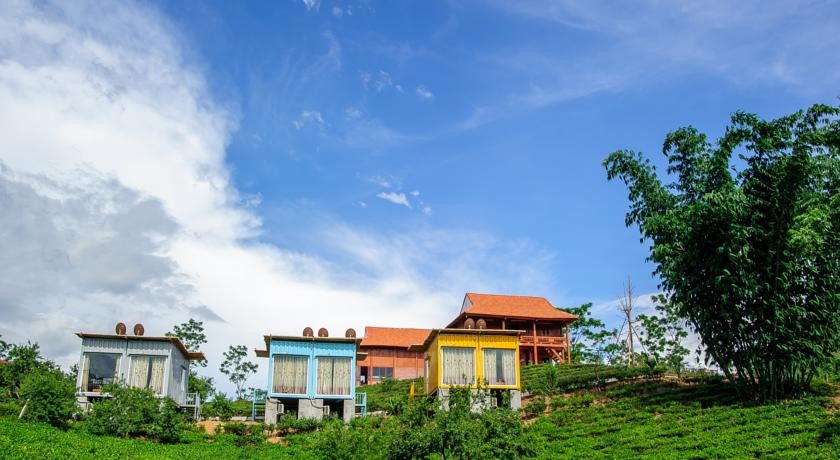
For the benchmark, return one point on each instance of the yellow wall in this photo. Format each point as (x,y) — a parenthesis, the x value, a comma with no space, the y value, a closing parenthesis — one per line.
(477,342)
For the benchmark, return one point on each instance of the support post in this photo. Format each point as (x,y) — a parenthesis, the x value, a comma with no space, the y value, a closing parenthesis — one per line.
(568,346)
(536,354)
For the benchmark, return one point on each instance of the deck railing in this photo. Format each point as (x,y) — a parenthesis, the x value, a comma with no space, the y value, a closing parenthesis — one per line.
(543,340)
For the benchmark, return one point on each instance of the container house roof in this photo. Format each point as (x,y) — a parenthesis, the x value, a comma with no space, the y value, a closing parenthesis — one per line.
(397,337)
(190,355)
(301,338)
(435,332)
(511,306)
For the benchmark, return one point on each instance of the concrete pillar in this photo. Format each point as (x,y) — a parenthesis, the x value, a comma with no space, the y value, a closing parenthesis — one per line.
(349,410)
(272,410)
(515,399)
(311,408)
(443,398)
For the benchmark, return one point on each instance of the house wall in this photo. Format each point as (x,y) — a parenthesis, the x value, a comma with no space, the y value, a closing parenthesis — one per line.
(477,342)
(126,348)
(406,364)
(313,350)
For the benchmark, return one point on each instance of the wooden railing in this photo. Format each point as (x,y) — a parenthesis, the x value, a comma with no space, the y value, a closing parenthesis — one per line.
(542,340)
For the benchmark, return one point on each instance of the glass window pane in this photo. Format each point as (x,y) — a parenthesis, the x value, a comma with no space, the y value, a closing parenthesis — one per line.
(99,369)
(290,373)
(147,372)
(333,376)
(499,366)
(457,366)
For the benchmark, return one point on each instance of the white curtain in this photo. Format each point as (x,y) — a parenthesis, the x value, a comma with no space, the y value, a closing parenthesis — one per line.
(499,366)
(85,372)
(147,372)
(333,376)
(458,366)
(289,374)
(158,365)
(139,371)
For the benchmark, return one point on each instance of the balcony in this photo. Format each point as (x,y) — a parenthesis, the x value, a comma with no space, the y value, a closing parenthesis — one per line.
(542,341)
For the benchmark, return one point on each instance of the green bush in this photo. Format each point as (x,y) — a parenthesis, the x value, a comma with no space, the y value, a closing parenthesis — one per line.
(50,396)
(8,408)
(242,407)
(220,406)
(547,379)
(134,412)
(536,407)
(244,434)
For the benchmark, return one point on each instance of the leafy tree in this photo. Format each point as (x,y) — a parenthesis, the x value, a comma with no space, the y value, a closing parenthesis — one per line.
(750,256)
(237,368)
(3,347)
(136,412)
(49,396)
(192,335)
(662,337)
(583,333)
(23,360)
(201,385)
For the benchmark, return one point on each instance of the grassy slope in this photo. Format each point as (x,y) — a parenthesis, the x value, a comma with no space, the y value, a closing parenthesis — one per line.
(643,419)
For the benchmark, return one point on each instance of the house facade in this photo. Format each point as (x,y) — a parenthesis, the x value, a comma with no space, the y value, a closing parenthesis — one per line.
(384,354)
(160,364)
(545,328)
(478,359)
(310,376)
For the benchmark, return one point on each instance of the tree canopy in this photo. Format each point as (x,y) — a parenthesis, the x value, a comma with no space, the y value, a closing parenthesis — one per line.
(745,240)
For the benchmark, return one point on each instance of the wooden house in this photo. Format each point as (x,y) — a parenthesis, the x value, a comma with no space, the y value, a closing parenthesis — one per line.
(160,364)
(545,335)
(310,376)
(479,359)
(384,354)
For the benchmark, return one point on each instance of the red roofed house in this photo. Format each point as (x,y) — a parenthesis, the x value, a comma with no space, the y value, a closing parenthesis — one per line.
(546,328)
(386,356)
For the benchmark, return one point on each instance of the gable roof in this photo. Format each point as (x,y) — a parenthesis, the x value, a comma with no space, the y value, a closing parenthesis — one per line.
(401,337)
(190,355)
(511,306)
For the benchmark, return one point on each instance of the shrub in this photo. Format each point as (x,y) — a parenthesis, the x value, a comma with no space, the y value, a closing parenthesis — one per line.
(49,396)
(133,412)
(9,408)
(220,406)
(535,407)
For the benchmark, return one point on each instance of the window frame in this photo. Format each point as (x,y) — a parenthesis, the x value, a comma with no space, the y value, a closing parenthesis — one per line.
(349,360)
(487,382)
(306,358)
(382,377)
(115,376)
(149,371)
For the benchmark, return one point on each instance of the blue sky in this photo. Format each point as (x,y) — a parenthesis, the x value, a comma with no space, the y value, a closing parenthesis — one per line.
(266,166)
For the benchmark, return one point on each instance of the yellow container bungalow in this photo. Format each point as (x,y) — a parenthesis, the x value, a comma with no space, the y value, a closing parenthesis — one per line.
(486,359)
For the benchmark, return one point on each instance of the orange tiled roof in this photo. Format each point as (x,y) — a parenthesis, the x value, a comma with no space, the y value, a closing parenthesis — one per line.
(393,336)
(3,362)
(515,306)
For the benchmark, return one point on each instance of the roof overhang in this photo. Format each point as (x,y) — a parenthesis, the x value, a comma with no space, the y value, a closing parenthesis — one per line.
(452,323)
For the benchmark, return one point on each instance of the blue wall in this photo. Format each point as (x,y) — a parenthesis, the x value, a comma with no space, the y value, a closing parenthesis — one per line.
(313,349)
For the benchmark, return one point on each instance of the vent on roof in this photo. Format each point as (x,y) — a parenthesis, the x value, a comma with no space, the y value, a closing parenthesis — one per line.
(469,323)
(323,332)
(120,329)
(307,332)
(138,329)
(351,333)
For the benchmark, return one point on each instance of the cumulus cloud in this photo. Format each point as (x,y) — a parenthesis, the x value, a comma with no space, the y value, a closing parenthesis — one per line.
(312,4)
(424,93)
(116,204)
(394,197)
(309,117)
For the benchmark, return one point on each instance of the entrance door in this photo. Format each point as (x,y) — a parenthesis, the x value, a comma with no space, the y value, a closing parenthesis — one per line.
(364,375)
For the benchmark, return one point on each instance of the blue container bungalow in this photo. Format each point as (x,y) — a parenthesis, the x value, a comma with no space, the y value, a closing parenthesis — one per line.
(310,376)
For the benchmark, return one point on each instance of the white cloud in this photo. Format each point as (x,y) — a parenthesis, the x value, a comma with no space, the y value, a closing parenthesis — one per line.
(383,81)
(394,197)
(312,4)
(337,11)
(353,113)
(424,93)
(308,117)
(117,190)
(427,210)
(382,181)
(415,193)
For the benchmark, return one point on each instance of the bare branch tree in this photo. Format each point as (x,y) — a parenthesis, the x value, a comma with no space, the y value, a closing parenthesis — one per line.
(625,306)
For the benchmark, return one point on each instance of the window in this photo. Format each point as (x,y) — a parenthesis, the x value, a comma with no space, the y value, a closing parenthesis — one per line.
(289,374)
(147,372)
(499,366)
(333,376)
(383,372)
(99,369)
(457,366)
